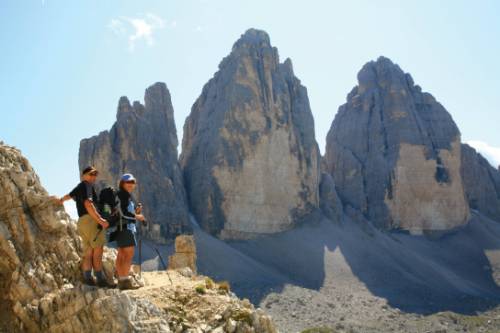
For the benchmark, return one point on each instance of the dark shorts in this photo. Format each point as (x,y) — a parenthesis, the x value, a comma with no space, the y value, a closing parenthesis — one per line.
(124,238)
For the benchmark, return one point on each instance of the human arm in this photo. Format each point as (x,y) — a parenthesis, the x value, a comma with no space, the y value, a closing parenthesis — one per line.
(70,195)
(89,206)
(88,202)
(64,198)
(140,217)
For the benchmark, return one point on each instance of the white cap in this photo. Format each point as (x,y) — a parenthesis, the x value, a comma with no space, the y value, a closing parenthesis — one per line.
(128,177)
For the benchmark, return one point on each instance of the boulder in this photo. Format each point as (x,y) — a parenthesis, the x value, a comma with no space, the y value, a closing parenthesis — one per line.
(395,154)
(185,254)
(249,156)
(481,182)
(143,141)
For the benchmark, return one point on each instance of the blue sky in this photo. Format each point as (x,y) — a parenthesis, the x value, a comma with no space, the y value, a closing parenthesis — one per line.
(64,64)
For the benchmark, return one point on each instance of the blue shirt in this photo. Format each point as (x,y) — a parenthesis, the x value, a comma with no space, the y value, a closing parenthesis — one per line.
(127,206)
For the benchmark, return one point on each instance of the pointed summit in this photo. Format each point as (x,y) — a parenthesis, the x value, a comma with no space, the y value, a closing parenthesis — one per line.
(394,153)
(157,96)
(143,141)
(259,174)
(382,72)
(253,37)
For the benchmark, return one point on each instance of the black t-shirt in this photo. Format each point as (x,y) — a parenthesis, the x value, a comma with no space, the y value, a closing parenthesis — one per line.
(83,191)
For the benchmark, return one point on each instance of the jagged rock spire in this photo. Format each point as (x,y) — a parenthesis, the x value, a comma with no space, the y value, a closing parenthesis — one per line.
(249,157)
(143,141)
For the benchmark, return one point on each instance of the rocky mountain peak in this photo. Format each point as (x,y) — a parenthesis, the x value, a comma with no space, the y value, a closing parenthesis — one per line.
(260,172)
(287,67)
(143,141)
(253,38)
(156,97)
(383,73)
(124,108)
(391,145)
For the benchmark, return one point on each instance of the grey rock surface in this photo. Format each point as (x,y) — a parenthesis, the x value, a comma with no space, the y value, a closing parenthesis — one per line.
(143,141)
(394,153)
(481,182)
(249,156)
(329,201)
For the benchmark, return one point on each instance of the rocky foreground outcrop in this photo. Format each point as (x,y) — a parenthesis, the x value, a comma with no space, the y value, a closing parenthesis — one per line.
(38,244)
(143,141)
(249,156)
(395,153)
(40,289)
(170,301)
(481,182)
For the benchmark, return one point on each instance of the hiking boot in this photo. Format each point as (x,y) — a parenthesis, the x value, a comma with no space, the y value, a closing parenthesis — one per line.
(127,285)
(105,284)
(89,282)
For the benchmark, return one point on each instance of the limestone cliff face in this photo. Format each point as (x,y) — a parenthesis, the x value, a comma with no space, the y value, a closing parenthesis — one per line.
(40,289)
(329,201)
(481,182)
(395,154)
(38,246)
(249,156)
(143,141)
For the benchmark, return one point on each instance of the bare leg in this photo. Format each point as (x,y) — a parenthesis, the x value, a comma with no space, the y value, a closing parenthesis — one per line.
(87,259)
(124,260)
(119,263)
(97,259)
(129,255)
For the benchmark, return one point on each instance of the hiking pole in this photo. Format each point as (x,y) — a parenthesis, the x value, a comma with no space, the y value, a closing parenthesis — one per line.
(161,258)
(139,206)
(140,250)
(164,265)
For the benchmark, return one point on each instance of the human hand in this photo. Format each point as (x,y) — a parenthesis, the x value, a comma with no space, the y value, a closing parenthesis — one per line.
(57,200)
(138,209)
(140,217)
(104,223)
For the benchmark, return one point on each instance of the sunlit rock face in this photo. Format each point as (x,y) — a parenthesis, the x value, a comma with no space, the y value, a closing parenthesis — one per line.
(481,182)
(143,141)
(395,154)
(249,156)
(38,243)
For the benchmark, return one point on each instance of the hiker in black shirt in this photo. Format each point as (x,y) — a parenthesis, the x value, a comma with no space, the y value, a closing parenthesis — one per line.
(93,239)
(83,191)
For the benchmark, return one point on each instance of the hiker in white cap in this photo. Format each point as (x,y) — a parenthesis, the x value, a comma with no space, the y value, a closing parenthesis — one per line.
(125,236)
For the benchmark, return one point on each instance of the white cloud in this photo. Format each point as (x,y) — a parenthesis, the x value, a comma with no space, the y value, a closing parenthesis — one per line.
(117,26)
(136,29)
(491,153)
